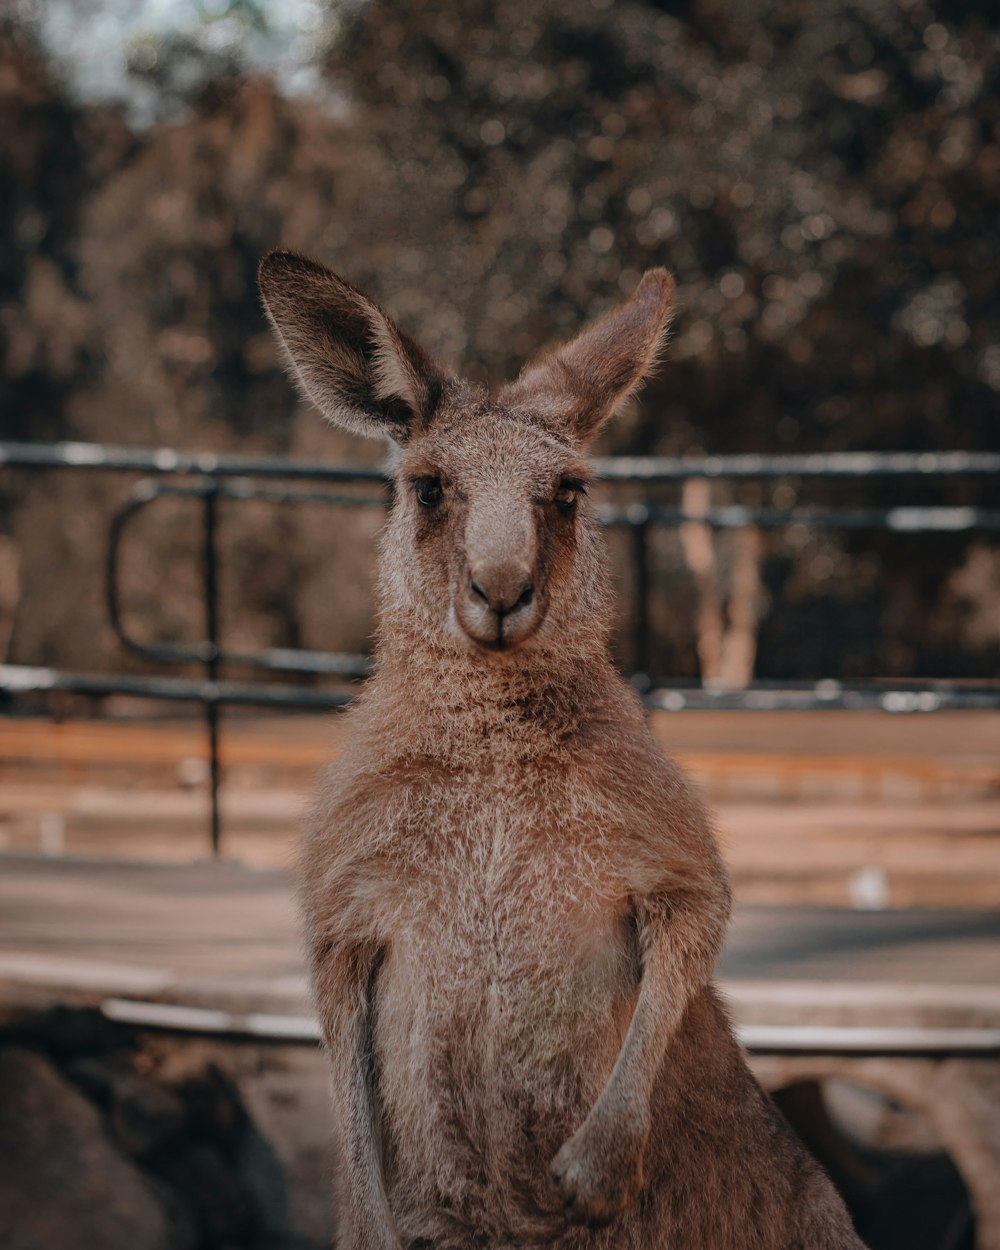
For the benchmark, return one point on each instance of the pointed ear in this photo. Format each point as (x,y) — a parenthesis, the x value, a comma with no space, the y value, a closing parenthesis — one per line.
(350,358)
(580,385)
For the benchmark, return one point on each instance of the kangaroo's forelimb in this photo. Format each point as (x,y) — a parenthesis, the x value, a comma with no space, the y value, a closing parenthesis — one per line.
(599,1170)
(347,984)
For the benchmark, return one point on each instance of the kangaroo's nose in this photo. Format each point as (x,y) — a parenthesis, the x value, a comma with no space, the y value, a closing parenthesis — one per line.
(502,587)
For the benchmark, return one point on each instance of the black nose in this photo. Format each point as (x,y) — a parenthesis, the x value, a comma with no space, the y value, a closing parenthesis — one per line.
(503,593)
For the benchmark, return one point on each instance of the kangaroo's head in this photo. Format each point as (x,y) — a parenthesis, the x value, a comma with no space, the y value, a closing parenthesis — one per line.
(490,546)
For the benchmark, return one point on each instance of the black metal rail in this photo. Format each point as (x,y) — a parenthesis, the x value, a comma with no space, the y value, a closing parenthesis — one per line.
(846,464)
(211,478)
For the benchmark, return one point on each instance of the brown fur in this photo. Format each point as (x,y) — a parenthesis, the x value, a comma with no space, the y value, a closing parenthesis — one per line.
(513,901)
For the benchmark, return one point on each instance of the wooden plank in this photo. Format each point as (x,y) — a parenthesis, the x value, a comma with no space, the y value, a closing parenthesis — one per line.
(760,1038)
(97,743)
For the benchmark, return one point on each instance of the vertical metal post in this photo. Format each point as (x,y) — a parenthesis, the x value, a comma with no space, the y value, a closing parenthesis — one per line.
(639,517)
(211,593)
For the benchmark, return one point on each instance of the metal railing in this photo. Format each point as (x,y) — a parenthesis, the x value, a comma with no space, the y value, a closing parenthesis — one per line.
(209,479)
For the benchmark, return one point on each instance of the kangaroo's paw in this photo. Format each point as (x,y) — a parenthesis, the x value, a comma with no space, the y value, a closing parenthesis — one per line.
(598,1171)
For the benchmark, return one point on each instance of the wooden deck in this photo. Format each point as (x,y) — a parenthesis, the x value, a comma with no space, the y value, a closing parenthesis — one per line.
(960,754)
(832,809)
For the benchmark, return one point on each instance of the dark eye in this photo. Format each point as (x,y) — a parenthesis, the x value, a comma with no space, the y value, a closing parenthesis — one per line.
(429,491)
(567,495)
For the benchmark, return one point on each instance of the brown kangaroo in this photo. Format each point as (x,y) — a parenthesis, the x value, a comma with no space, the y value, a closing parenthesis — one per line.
(513,901)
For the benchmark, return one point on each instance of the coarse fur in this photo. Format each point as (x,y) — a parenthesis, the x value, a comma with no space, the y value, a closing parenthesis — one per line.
(513,901)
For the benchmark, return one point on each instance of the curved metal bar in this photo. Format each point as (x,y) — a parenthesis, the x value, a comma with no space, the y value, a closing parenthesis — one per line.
(145,492)
(271,659)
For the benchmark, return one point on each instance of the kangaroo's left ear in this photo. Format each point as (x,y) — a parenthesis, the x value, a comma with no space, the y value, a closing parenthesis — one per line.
(350,357)
(580,385)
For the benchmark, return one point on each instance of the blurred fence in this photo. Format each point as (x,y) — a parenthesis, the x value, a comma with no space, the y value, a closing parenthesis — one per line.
(207,480)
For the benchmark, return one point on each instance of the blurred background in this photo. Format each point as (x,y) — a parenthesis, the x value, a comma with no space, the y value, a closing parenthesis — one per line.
(823,178)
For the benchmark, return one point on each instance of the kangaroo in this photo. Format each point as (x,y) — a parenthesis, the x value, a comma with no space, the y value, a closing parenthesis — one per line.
(513,902)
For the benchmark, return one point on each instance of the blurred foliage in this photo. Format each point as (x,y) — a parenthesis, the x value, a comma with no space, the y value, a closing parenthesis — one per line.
(823,179)
(151,56)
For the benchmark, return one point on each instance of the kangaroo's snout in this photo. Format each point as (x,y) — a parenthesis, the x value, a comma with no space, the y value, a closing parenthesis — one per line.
(499,605)
(499,608)
(503,588)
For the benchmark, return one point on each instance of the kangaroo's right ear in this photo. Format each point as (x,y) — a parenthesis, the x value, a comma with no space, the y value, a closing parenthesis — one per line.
(350,358)
(580,385)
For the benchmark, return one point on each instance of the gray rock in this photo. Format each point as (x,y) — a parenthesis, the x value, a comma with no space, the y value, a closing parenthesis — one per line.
(143,1115)
(61,1181)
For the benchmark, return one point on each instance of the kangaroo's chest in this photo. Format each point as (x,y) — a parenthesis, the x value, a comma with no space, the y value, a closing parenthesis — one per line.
(510,911)
(507,984)
(505,863)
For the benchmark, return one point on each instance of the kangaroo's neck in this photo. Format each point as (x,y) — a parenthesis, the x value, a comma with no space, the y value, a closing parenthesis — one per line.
(454,701)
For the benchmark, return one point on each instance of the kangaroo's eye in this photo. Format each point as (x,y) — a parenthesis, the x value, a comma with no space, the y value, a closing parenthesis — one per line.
(429,492)
(567,495)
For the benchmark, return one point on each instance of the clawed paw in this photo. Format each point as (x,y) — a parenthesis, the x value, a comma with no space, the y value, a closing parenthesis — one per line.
(595,1183)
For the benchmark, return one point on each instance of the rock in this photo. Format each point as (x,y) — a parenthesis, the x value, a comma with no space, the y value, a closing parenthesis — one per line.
(143,1115)
(65,1029)
(62,1183)
(229,1177)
